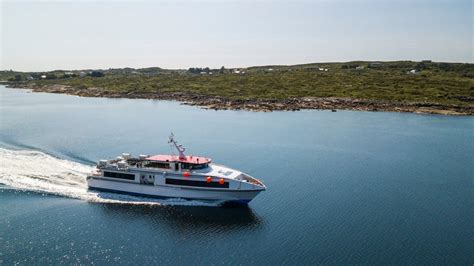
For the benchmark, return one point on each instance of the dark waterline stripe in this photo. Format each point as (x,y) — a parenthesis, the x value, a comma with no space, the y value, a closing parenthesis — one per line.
(161,197)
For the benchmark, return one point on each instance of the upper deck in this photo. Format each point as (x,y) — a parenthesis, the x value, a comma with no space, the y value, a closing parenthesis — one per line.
(173,158)
(199,165)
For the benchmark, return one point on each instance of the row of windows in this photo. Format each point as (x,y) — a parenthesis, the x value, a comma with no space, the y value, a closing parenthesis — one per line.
(119,175)
(195,183)
(158,165)
(193,166)
(164,165)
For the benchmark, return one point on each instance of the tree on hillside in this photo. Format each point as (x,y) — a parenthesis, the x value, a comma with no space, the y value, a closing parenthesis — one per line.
(51,76)
(222,70)
(96,74)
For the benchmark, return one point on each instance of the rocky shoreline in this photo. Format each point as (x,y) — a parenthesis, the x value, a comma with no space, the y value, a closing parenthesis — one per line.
(294,104)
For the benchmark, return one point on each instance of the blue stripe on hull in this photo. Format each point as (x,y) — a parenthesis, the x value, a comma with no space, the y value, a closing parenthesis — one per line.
(239,202)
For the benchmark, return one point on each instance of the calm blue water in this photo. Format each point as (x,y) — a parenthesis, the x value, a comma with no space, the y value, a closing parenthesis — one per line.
(344,187)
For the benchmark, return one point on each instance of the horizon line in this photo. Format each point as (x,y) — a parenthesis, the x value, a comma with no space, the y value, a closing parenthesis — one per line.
(251,66)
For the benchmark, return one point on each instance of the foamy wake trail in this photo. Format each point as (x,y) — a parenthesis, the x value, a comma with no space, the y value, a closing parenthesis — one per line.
(39,172)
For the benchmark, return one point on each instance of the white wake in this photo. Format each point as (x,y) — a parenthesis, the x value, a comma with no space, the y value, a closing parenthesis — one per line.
(39,172)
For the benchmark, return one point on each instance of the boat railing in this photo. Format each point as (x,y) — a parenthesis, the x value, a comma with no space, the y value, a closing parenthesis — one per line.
(250,179)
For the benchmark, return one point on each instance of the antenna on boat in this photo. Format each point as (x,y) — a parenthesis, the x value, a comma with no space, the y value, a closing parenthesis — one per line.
(180,148)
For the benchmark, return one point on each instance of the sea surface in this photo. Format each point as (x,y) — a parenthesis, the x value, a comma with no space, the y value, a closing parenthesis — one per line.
(343,187)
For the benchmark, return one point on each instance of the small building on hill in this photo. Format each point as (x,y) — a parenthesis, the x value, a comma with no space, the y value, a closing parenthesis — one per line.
(413,72)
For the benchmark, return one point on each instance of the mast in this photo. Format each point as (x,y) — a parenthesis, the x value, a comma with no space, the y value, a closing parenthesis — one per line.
(180,148)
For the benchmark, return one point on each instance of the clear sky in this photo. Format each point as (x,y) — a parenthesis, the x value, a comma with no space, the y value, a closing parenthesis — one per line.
(48,35)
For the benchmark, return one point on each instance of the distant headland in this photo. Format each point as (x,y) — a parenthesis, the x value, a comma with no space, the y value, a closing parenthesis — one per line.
(396,86)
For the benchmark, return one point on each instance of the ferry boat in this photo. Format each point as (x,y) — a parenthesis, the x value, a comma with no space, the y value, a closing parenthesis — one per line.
(174,176)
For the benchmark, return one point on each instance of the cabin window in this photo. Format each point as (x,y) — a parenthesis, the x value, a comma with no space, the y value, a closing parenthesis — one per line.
(192,166)
(200,166)
(119,175)
(186,166)
(158,165)
(195,183)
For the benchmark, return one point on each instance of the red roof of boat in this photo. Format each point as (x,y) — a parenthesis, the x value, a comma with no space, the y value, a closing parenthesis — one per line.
(174,158)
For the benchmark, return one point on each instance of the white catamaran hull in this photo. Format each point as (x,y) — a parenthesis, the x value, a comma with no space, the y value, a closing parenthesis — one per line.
(238,196)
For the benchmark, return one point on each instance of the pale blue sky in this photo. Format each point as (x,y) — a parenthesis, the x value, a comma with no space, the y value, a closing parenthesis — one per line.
(47,35)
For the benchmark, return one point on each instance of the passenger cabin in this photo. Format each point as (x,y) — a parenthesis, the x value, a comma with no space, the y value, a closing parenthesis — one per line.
(176,163)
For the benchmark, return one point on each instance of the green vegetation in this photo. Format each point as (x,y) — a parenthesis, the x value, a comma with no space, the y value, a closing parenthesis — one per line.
(442,83)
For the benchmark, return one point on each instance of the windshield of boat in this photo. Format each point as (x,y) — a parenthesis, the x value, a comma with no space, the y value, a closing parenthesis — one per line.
(163,165)
(192,166)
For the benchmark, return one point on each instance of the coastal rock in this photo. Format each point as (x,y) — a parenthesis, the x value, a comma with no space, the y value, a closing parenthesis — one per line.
(266,105)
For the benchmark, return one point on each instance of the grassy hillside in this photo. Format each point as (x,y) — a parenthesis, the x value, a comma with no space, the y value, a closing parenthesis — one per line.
(443,83)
